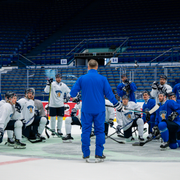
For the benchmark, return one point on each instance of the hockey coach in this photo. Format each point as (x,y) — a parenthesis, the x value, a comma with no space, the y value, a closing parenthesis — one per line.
(93,87)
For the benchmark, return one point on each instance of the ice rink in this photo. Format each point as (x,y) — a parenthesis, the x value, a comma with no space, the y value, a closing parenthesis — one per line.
(55,159)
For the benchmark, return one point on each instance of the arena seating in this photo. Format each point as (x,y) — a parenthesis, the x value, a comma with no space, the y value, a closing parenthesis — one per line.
(16,80)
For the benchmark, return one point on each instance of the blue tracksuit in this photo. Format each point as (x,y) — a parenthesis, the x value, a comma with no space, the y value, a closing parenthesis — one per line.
(93,87)
(147,106)
(176,90)
(167,128)
(131,95)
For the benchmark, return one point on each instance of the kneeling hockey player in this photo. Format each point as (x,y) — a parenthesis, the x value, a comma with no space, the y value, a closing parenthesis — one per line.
(127,116)
(7,111)
(169,123)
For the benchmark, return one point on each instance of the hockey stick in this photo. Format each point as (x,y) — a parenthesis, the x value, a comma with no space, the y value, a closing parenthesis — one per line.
(143,143)
(154,109)
(120,142)
(122,127)
(36,141)
(53,132)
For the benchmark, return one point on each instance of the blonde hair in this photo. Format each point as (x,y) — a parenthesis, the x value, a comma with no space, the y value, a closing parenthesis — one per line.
(92,63)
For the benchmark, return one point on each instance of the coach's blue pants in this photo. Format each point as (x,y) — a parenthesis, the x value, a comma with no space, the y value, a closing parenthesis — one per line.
(86,121)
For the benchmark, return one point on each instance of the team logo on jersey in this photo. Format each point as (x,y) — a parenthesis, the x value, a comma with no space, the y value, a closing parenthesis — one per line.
(128,115)
(58,92)
(146,110)
(163,114)
(11,115)
(30,108)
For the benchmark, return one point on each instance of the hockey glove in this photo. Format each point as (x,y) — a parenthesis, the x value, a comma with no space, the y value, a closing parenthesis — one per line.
(49,81)
(126,88)
(18,107)
(111,123)
(163,89)
(155,131)
(155,85)
(118,128)
(172,116)
(77,99)
(73,112)
(148,117)
(66,98)
(36,112)
(1,134)
(118,107)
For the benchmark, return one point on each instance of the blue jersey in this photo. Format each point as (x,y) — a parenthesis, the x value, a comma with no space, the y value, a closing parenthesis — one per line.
(147,106)
(176,90)
(131,95)
(93,87)
(166,109)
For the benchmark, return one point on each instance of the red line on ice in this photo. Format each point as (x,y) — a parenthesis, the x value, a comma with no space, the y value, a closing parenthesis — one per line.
(18,161)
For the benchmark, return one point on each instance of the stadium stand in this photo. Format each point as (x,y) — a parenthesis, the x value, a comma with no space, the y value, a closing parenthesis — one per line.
(151,26)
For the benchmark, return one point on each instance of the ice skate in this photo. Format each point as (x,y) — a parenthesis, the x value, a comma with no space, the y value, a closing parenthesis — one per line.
(149,136)
(99,158)
(164,146)
(39,137)
(59,132)
(67,138)
(141,139)
(86,159)
(10,142)
(19,145)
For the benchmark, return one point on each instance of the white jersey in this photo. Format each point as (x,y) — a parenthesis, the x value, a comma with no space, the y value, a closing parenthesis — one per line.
(110,111)
(57,93)
(154,93)
(27,109)
(6,112)
(78,107)
(127,116)
(2,102)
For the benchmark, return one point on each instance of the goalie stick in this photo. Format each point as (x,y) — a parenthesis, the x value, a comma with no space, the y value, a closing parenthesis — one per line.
(143,143)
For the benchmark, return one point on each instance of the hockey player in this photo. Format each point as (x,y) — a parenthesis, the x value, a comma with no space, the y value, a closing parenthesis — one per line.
(56,89)
(10,140)
(27,109)
(6,113)
(110,115)
(176,90)
(170,124)
(127,116)
(148,105)
(93,87)
(126,88)
(40,120)
(74,119)
(160,87)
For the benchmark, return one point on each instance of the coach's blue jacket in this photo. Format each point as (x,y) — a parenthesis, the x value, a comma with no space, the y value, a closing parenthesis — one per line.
(93,87)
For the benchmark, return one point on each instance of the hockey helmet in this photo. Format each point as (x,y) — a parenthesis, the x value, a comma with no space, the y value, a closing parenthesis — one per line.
(125,97)
(9,94)
(28,90)
(163,77)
